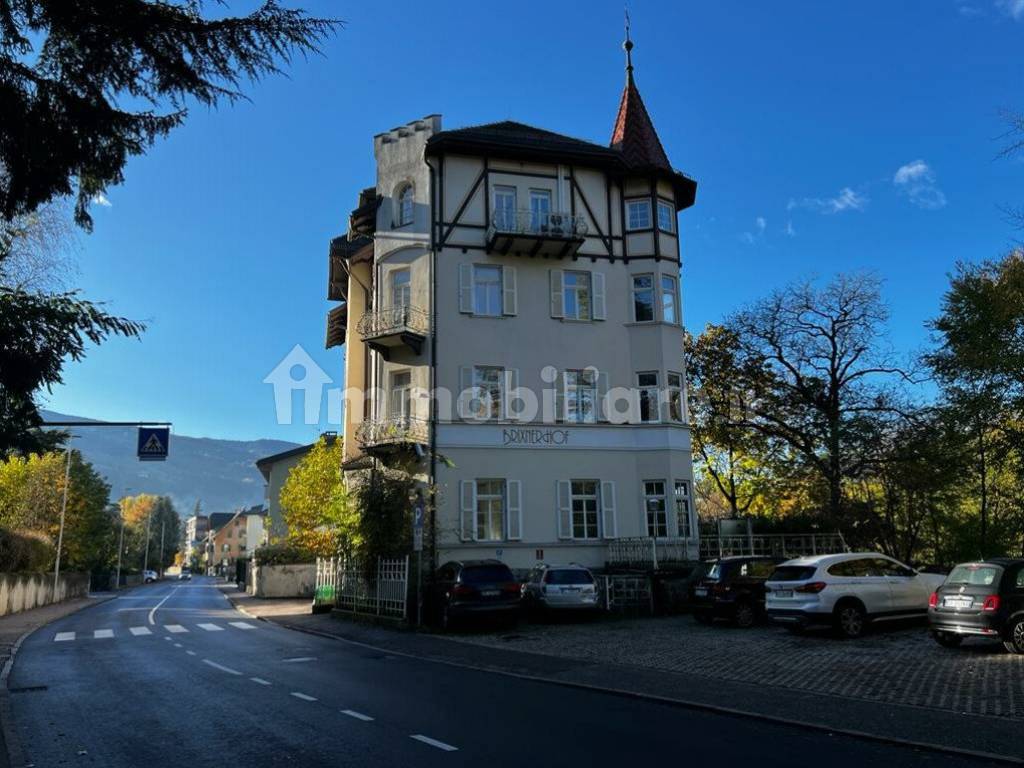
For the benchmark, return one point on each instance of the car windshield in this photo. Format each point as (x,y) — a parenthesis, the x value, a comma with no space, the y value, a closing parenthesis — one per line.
(569,576)
(485,574)
(792,573)
(715,571)
(975,575)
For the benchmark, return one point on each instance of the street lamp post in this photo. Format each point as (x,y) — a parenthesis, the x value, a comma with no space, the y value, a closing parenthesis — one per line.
(63,511)
(120,541)
(145,557)
(160,562)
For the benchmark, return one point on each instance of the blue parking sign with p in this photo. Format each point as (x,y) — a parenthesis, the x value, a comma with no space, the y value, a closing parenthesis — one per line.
(154,443)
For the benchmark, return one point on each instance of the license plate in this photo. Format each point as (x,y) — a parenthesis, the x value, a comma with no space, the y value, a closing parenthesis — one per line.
(958,602)
(700,592)
(782,593)
(490,592)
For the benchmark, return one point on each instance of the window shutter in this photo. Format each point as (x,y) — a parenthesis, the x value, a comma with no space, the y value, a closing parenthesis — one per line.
(464,395)
(597,279)
(466,288)
(560,384)
(564,509)
(510,301)
(511,385)
(671,509)
(609,520)
(514,491)
(467,494)
(602,396)
(557,293)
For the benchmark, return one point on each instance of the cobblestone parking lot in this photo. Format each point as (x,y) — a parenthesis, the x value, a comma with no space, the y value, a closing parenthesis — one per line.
(895,665)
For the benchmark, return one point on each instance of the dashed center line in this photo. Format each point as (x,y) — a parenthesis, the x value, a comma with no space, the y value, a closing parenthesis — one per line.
(434,742)
(191,653)
(221,667)
(177,645)
(298,659)
(260,680)
(139,631)
(303,696)
(101,634)
(357,715)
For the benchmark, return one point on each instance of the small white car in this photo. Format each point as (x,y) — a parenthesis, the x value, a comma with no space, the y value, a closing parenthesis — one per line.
(149,576)
(560,587)
(847,592)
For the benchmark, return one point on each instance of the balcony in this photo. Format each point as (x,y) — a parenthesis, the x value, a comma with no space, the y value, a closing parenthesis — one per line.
(386,329)
(526,233)
(384,435)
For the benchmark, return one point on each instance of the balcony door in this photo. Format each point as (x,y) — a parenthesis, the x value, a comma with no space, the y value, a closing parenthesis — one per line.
(540,210)
(401,291)
(401,397)
(505,208)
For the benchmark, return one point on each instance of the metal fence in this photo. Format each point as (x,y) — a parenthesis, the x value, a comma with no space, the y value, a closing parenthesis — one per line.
(773,544)
(347,585)
(648,552)
(626,593)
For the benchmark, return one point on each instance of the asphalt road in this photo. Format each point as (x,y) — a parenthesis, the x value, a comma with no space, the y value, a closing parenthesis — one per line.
(171,675)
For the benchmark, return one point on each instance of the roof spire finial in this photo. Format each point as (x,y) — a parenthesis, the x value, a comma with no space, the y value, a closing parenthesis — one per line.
(627,46)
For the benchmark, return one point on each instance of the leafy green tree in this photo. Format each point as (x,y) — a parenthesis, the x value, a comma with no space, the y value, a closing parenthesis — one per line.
(315,504)
(67,70)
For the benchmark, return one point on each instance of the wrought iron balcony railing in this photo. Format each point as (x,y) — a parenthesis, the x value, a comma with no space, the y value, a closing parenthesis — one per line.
(400,430)
(393,321)
(537,224)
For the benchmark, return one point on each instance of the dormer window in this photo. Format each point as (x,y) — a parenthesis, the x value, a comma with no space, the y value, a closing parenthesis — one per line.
(638,214)
(405,205)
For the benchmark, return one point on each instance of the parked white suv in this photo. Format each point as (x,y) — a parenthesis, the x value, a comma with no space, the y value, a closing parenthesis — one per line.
(847,591)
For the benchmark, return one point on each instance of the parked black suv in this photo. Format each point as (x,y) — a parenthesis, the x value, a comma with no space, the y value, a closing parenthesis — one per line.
(464,587)
(985,598)
(733,589)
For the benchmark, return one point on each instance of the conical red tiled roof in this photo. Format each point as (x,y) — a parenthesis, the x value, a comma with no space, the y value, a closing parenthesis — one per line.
(634,135)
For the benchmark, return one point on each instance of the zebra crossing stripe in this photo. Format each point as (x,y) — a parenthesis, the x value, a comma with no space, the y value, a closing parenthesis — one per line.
(175,629)
(212,628)
(63,637)
(102,634)
(139,631)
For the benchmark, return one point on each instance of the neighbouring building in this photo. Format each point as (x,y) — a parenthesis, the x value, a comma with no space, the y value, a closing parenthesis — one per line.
(508,265)
(275,471)
(232,537)
(196,528)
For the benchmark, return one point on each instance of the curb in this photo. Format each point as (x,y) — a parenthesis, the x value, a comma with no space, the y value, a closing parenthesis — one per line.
(670,701)
(16,757)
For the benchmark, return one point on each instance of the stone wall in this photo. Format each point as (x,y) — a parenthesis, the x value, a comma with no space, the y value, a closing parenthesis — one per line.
(282,580)
(24,591)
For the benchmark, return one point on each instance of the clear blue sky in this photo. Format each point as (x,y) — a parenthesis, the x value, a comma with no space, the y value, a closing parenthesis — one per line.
(794,117)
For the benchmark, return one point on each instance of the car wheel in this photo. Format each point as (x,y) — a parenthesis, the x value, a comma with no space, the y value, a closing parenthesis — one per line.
(703,618)
(947,639)
(1014,641)
(745,615)
(851,621)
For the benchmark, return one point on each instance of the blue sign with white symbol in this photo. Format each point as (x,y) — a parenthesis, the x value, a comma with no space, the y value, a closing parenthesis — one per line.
(154,443)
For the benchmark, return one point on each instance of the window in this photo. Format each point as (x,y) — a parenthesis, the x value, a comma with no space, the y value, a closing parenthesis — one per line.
(675,397)
(490,510)
(584,509)
(656,508)
(648,386)
(401,395)
(488,392)
(638,214)
(504,216)
(669,300)
(577,295)
(643,298)
(682,493)
(400,288)
(540,210)
(486,290)
(666,216)
(405,205)
(581,396)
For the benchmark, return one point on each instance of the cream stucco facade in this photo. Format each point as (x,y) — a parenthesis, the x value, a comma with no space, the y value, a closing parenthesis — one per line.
(500,265)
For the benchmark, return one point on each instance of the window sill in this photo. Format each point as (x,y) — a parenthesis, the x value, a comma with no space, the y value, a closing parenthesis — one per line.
(644,323)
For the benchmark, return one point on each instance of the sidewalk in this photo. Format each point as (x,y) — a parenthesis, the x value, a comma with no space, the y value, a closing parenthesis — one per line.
(13,628)
(927,727)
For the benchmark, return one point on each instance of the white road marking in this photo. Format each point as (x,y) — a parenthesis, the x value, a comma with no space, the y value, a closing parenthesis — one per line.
(298,659)
(177,645)
(241,625)
(260,680)
(101,634)
(221,667)
(434,742)
(63,637)
(139,631)
(156,607)
(176,629)
(302,696)
(191,653)
(212,628)
(357,715)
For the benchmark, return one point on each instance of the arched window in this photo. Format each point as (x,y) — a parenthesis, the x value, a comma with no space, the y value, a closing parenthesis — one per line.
(405,205)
